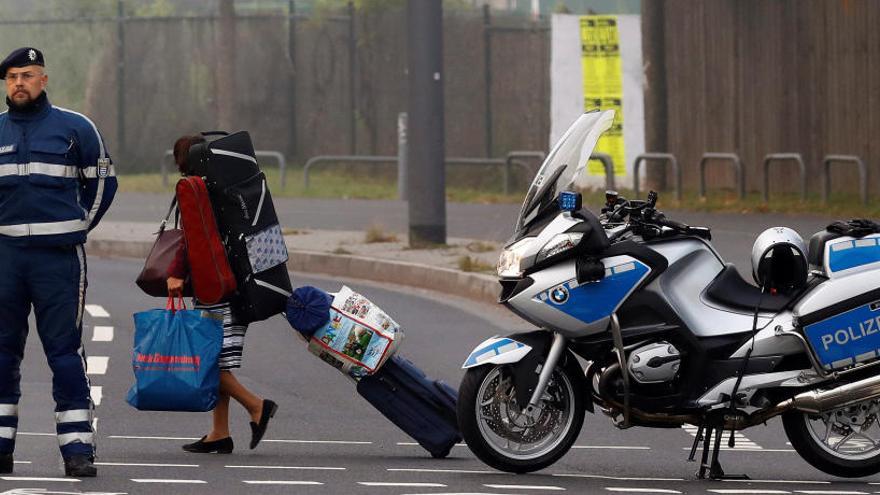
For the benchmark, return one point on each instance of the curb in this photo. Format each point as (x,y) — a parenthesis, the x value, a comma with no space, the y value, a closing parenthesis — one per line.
(474,286)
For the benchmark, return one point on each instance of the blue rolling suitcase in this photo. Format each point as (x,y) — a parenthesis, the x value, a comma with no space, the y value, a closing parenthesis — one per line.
(421,407)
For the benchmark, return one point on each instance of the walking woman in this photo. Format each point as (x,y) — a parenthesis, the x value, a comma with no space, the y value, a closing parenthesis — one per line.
(261,410)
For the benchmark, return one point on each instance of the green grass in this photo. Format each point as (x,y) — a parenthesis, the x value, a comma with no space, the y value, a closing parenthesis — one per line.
(483,185)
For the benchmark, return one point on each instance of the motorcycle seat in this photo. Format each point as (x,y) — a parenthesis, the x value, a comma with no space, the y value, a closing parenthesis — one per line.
(729,289)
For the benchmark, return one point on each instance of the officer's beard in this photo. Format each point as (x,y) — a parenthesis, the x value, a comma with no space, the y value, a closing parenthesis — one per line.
(29,106)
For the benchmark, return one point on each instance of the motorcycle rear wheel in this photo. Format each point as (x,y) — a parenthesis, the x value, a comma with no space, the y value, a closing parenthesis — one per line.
(504,436)
(843,442)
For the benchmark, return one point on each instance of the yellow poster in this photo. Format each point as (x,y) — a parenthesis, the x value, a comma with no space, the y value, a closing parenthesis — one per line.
(603,85)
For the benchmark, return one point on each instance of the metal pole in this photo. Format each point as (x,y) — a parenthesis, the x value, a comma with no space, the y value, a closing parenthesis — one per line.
(401,155)
(291,94)
(352,96)
(487,75)
(120,75)
(427,182)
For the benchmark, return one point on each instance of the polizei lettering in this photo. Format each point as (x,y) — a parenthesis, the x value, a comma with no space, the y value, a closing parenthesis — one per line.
(851,333)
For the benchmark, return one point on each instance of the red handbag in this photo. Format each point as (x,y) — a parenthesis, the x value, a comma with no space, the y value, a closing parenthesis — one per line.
(153,279)
(209,268)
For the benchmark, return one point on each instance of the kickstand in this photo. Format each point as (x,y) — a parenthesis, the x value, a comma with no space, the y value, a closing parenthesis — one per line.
(715,470)
(696,444)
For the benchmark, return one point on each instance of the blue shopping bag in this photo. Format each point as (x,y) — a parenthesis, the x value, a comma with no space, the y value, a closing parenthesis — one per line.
(175,359)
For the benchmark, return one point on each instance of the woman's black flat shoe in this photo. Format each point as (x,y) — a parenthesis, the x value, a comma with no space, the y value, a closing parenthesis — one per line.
(259,429)
(222,446)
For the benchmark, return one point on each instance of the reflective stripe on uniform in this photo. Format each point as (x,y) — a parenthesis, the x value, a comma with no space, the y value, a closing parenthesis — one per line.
(8,409)
(73,416)
(49,169)
(81,437)
(7,432)
(46,228)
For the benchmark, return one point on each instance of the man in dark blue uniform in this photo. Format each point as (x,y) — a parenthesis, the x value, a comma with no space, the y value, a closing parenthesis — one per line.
(56,182)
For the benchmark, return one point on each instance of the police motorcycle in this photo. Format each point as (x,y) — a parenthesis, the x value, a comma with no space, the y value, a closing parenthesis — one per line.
(670,334)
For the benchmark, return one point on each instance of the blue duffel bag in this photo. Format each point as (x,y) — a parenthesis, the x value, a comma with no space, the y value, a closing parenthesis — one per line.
(175,359)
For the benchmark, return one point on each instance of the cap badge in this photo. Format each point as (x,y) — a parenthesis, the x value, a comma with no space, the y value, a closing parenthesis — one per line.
(32,55)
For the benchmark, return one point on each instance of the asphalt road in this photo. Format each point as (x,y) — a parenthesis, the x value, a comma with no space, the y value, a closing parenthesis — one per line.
(733,233)
(327,440)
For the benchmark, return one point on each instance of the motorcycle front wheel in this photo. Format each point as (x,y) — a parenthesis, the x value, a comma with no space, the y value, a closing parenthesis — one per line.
(507,436)
(843,442)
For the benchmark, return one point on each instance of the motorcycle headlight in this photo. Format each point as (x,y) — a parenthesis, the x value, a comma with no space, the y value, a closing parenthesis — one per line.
(509,264)
(559,243)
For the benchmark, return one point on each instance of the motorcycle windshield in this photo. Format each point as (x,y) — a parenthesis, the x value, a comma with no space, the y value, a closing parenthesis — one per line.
(566,162)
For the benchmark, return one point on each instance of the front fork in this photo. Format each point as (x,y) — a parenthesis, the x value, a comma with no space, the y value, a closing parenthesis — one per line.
(557,347)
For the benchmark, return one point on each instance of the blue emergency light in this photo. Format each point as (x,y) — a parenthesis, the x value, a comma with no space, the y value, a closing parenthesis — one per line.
(569,201)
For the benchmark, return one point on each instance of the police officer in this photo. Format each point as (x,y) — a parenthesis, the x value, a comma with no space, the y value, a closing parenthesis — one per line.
(56,182)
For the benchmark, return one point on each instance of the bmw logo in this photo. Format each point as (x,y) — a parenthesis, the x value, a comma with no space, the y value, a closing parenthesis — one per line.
(559,295)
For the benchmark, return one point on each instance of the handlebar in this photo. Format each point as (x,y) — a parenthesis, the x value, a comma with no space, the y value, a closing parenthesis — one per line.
(646,221)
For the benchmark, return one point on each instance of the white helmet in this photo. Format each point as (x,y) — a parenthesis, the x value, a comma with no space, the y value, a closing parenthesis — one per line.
(779,259)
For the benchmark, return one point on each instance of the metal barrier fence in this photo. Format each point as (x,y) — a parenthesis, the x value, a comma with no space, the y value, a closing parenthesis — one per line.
(863,175)
(663,158)
(540,155)
(276,155)
(608,163)
(733,158)
(783,157)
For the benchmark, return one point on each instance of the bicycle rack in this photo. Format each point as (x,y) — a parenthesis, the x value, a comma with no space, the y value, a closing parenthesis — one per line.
(663,158)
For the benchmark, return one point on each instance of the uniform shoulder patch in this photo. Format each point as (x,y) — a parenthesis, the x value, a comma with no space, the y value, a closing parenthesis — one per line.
(103,168)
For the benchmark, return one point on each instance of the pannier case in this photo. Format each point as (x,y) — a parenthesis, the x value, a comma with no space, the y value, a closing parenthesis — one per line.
(841,317)
(247,222)
(211,275)
(423,408)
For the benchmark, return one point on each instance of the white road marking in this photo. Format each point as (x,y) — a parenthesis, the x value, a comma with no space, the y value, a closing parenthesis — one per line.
(145,464)
(30,478)
(458,493)
(327,442)
(639,490)
(301,468)
(131,437)
(155,480)
(21,462)
(102,334)
(750,492)
(406,485)
(830,492)
(32,434)
(742,443)
(724,448)
(96,311)
(97,365)
(414,444)
(281,482)
(614,478)
(526,487)
(803,482)
(610,447)
(97,393)
(452,471)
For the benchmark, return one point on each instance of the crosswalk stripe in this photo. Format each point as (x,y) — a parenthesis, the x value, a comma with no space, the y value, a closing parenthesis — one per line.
(102,334)
(741,441)
(97,365)
(97,393)
(96,311)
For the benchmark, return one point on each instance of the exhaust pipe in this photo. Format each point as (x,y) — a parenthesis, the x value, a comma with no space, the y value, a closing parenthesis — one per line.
(816,401)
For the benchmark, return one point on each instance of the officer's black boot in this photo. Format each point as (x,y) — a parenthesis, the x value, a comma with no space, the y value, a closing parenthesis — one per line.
(80,466)
(5,463)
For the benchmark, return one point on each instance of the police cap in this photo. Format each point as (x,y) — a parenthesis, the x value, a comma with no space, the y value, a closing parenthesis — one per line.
(21,57)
